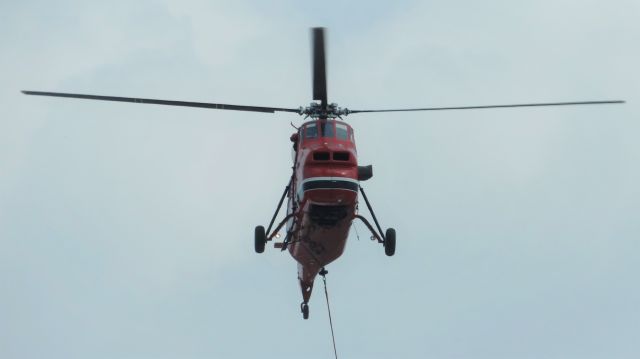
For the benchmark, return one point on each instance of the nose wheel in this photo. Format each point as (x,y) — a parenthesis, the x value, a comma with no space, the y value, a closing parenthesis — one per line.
(304,308)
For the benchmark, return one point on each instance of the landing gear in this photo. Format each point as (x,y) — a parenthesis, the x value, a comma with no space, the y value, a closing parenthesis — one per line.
(389,239)
(260,239)
(304,308)
(390,242)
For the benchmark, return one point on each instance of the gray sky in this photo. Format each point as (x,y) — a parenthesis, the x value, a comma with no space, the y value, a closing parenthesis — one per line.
(126,230)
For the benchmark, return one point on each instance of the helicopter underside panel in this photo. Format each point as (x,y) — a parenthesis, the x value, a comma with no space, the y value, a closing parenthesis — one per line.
(320,236)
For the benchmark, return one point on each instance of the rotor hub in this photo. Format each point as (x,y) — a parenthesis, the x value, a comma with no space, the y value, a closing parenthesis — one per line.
(317,111)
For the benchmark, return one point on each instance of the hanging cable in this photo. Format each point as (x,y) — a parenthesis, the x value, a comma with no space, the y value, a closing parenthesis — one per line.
(323,273)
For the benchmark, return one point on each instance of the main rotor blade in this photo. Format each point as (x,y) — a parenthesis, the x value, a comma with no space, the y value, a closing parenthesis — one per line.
(319,66)
(217,106)
(494,106)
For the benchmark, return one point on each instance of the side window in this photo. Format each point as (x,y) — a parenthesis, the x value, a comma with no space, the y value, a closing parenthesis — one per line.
(326,129)
(351,136)
(342,131)
(311,131)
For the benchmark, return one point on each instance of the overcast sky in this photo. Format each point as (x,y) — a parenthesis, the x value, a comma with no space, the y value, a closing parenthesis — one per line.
(126,230)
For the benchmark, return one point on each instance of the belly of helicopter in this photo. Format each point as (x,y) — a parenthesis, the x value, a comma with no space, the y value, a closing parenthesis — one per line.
(321,231)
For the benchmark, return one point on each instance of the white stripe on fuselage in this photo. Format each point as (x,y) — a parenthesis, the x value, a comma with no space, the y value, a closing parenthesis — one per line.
(313,179)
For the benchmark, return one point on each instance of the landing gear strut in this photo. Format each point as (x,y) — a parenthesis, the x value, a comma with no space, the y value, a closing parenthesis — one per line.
(389,239)
(262,236)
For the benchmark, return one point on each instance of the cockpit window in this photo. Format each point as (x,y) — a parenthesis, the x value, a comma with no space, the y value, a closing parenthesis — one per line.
(311,131)
(326,129)
(342,131)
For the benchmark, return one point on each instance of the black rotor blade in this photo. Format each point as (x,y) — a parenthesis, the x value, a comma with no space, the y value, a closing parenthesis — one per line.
(493,106)
(319,66)
(218,106)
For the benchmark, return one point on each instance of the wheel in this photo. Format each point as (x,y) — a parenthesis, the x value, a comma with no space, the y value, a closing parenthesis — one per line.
(260,239)
(390,242)
(305,311)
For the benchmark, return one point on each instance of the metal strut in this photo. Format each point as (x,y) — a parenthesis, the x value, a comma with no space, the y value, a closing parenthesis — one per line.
(286,189)
(366,200)
(287,238)
(375,236)
(323,273)
(282,223)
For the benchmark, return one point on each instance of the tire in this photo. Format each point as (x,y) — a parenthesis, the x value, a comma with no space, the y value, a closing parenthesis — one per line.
(390,242)
(260,239)
(305,311)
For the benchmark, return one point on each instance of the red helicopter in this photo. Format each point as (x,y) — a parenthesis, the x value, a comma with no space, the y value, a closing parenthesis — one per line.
(323,190)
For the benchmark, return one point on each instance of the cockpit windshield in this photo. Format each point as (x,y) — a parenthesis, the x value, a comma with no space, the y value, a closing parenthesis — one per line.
(327,129)
(342,131)
(311,131)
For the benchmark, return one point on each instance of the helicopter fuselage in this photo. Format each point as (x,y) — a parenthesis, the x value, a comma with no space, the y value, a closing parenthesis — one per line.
(323,196)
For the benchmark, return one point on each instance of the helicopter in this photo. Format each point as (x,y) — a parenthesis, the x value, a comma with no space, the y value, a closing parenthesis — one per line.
(323,190)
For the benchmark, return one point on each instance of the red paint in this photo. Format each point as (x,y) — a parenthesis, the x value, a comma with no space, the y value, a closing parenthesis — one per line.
(317,242)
